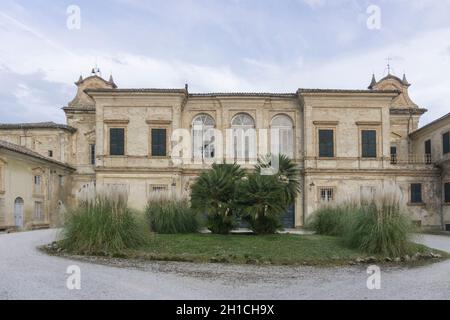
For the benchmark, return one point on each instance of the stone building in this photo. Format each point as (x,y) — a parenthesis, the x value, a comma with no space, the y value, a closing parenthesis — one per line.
(345,142)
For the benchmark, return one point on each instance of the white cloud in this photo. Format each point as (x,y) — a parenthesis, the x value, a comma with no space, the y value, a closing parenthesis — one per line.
(314,3)
(425,58)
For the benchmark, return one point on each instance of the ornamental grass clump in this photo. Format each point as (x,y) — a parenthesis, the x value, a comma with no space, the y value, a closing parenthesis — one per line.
(170,214)
(102,224)
(381,226)
(332,220)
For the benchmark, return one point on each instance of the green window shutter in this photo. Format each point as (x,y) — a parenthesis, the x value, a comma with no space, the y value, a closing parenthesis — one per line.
(159,142)
(117,141)
(369,143)
(326,143)
(416,193)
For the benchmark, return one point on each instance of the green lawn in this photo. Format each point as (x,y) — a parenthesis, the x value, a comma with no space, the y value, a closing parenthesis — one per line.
(280,249)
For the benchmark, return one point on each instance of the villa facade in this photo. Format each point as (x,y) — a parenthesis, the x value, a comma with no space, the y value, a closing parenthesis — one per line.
(345,142)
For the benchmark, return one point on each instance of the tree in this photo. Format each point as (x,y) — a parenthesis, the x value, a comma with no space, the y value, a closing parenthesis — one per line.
(262,201)
(288,173)
(214,193)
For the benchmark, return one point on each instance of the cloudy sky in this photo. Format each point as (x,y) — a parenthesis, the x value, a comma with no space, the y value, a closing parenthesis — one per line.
(223,45)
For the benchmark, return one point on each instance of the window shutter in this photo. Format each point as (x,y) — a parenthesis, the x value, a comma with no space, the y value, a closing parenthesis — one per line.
(369,143)
(117,141)
(447,192)
(446,143)
(326,143)
(416,193)
(159,142)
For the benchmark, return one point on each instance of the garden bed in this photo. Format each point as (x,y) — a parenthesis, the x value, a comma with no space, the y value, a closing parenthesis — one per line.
(279,249)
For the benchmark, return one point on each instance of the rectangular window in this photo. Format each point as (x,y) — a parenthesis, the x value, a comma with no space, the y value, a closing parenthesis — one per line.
(416,193)
(2,210)
(38,212)
(37,184)
(158,142)
(326,143)
(50,153)
(369,143)
(326,194)
(117,141)
(61,180)
(447,192)
(446,143)
(393,155)
(428,151)
(92,154)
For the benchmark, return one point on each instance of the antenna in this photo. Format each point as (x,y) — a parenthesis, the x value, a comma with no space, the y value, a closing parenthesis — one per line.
(389,59)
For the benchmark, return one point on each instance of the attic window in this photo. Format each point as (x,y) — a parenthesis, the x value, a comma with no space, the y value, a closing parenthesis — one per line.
(50,153)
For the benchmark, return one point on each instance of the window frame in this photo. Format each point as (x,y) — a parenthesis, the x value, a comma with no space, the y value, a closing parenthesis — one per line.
(2,176)
(41,218)
(446,147)
(159,124)
(326,188)
(290,127)
(427,144)
(124,128)
(412,201)
(204,130)
(244,128)
(446,197)
(92,154)
(362,130)
(333,130)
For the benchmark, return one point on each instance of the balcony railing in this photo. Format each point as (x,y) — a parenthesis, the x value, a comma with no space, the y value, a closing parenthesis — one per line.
(412,159)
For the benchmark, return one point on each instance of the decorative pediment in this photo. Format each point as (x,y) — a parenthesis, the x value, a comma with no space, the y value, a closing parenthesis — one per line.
(82,100)
(391,82)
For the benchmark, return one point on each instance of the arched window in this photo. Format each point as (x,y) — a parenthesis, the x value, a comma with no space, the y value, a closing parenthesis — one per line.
(203,137)
(244,137)
(282,136)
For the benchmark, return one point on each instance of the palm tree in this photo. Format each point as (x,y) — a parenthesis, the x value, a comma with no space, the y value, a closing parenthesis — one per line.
(288,173)
(214,193)
(262,202)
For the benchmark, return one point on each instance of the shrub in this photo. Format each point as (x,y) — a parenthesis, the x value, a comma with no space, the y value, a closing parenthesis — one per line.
(261,199)
(214,194)
(331,220)
(375,224)
(381,227)
(171,215)
(102,225)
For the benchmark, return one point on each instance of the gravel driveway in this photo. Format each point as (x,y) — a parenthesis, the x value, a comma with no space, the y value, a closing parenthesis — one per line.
(26,273)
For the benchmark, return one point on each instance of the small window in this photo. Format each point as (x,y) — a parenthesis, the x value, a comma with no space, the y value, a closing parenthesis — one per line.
(393,155)
(117,141)
(158,142)
(447,192)
(428,151)
(50,153)
(446,143)
(61,180)
(326,194)
(38,212)
(416,193)
(326,143)
(37,184)
(369,143)
(92,154)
